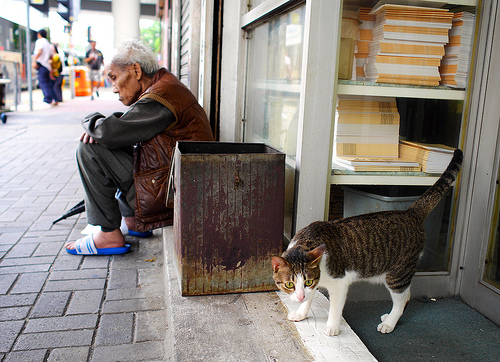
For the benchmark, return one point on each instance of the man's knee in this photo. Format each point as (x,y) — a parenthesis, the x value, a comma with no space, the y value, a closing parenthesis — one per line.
(114,162)
(83,150)
(88,152)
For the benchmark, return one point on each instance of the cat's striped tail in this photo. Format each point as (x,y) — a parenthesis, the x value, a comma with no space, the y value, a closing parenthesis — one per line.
(430,199)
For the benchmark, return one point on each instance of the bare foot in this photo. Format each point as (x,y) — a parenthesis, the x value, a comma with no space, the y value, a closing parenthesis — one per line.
(130,221)
(113,239)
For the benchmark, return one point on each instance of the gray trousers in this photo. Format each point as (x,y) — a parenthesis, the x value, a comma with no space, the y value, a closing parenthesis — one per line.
(103,172)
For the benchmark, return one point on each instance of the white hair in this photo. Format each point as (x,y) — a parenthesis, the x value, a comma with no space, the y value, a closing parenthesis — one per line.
(134,51)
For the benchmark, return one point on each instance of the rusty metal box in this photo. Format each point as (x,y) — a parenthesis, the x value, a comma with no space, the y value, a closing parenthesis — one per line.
(228,215)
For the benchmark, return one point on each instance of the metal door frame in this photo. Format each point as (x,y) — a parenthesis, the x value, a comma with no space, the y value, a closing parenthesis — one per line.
(480,170)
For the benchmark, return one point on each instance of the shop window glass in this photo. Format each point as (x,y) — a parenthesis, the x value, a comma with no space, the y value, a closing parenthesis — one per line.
(273,81)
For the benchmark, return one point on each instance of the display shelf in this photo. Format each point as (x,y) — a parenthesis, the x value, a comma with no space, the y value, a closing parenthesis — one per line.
(359,88)
(427,3)
(340,176)
(279,86)
(346,177)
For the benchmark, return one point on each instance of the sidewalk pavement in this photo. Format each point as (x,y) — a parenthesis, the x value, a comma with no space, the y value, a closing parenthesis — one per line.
(60,307)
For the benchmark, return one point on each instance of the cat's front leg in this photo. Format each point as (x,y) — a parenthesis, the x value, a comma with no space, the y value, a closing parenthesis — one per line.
(301,312)
(337,291)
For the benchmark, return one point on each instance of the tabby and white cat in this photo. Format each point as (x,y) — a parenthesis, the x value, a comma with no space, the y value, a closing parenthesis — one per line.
(382,247)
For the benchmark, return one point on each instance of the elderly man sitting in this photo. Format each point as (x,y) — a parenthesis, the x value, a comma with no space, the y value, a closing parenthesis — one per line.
(131,151)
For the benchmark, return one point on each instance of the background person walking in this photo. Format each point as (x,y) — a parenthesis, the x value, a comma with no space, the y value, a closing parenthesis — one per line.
(94,59)
(57,67)
(43,57)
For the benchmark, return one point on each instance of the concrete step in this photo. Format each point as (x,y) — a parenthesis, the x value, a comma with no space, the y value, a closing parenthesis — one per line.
(248,326)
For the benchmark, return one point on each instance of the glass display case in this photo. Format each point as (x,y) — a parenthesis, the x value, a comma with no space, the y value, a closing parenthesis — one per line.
(427,114)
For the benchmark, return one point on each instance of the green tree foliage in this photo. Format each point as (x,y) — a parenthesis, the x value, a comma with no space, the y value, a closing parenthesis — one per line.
(151,36)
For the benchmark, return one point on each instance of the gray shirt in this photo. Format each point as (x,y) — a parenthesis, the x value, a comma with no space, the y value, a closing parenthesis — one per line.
(144,120)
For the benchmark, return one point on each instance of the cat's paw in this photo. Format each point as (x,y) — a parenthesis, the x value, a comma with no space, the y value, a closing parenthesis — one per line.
(385,328)
(332,330)
(384,317)
(296,316)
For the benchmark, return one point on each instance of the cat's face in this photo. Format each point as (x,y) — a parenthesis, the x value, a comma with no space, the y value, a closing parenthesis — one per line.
(297,273)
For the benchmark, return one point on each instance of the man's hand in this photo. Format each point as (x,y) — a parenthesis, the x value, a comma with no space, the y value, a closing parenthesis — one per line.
(85,138)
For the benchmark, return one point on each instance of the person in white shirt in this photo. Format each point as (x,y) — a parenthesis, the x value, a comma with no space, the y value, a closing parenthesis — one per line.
(43,58)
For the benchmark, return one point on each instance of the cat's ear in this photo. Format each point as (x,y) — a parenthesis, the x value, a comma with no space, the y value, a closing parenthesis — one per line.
(278,262)
(316,255)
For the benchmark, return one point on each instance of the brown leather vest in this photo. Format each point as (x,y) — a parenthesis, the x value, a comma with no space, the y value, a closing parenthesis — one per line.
(152,158)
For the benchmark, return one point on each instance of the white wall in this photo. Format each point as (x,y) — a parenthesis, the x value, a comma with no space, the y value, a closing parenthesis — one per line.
(231,91)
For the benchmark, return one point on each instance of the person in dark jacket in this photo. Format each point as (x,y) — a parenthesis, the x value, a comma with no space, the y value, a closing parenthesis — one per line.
(131,151)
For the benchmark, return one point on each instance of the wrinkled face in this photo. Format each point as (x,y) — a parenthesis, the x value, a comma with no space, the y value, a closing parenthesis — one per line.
(126,82)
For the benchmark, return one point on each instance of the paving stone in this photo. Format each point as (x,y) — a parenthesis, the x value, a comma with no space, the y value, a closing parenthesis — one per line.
(24,269)
(118,294)
(26,356)
(29,216)
(24,202)
(134,260)
(17,300)
(95,262)
(9,331)
(10,238)
(115,329)
(73,354)
(13,313)
(67,262)
(150,326)
(6,282)
(22,250)
(29,283)
(27,261)
(152,279)
(49,248)
(41,225)
(79,274)
(54,339)
(9,227)
(10,215)
(83,284)
(44,200)
(50,304)
(146,351)
(83,321)
(42,239)
(123,279)
(131,305)
(58,207)
(48,233)
(5,247)
(84,302)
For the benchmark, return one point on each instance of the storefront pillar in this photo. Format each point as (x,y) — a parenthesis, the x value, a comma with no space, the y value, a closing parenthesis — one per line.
(126,14)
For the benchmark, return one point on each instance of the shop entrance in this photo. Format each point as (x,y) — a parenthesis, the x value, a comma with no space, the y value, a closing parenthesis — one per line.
(480,282)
